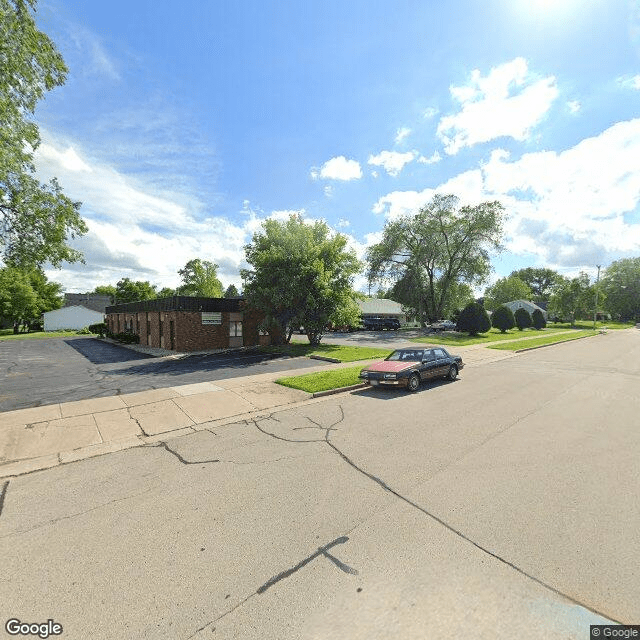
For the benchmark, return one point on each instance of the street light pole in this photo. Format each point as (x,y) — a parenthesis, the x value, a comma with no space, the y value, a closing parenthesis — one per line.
(595,308)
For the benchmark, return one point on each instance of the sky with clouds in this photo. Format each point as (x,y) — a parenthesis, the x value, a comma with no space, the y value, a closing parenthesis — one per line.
(182,126)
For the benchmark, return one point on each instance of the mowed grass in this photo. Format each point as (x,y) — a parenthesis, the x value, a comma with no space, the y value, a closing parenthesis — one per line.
(7,334)
(323,380)
(493,335)
(342,353)
(601,324)
(544,340)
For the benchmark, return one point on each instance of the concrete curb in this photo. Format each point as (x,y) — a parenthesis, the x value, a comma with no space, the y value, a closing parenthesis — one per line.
(553,344)
(325,358)
(330,392)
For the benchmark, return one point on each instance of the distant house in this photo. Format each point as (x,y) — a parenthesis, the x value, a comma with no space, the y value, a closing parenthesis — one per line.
(514,305)
(75,317)
(381,308)
(78,311)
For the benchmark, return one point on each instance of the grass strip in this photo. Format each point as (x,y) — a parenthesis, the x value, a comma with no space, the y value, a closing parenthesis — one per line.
(342,353)
(7,334)
(323,380)
(493,335)
(544,340)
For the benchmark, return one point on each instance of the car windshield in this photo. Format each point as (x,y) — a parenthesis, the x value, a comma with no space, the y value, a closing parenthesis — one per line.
(406,354)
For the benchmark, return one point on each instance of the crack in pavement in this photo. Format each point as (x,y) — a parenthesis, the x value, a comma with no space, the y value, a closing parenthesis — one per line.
(382,484)
(164,445)
(321,551)
(3,493)
(74,515)
(136,421)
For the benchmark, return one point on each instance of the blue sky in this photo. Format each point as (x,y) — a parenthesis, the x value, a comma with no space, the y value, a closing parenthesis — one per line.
(182,126)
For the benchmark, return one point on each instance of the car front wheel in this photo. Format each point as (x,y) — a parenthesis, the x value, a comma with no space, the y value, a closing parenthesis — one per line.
(453,372)
(414,382)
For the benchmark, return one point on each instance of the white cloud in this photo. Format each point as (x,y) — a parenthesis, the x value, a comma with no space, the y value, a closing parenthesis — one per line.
(430,113)
(432,159)
(401,134)
(69,159)
(568,208)
(574,106)
(629,82)
(392,161)
(338,168)
(506,102)
(328,190)
(342,223)
(92,54)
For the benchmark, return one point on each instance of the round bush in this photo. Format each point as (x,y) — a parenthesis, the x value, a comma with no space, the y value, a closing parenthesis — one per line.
(502,318)
(523,319)
(537,317)
(474,319)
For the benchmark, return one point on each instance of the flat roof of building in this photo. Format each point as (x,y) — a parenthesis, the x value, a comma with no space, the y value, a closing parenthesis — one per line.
(179,303)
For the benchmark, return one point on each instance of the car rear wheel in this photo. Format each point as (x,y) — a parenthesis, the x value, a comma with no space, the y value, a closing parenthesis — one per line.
(414,382)
(453,372)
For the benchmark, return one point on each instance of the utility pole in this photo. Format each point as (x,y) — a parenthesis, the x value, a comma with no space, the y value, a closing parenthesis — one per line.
(595,308)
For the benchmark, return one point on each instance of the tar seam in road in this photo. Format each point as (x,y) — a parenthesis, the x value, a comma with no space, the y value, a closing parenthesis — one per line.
(3,493)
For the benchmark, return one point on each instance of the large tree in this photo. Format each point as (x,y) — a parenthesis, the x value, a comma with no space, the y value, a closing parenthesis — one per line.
(301,274)
(36,220)
(506,290)
(572,298)
(200,278)
(433,250)
(540,280)
(128,290)
(621,285)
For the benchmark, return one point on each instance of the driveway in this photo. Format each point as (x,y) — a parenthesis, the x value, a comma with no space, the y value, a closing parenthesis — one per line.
(502,505)
(52,370)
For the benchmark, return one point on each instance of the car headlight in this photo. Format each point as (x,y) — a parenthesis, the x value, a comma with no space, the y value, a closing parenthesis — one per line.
(364,373)
(390,376)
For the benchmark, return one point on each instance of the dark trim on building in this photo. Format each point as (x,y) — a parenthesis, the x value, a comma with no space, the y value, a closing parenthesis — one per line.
(179,303)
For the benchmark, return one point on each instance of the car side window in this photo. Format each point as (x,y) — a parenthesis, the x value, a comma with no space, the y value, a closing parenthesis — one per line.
(429,356)
(439,353)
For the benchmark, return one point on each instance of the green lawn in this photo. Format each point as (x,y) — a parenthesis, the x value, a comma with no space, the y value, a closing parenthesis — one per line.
(7,334)
(543,340)
(323,380)
(342,353)
(586,324)
(493,335)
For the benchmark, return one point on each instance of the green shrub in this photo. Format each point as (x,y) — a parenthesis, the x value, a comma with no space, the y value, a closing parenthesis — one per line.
(85,331)
(125,338)
(523,319)
(100,328)
(537,317)
(502,318)
(474,319)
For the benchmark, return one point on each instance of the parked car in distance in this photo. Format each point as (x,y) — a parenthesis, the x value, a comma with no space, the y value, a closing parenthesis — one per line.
(380,324)
(410,367)
(443,325)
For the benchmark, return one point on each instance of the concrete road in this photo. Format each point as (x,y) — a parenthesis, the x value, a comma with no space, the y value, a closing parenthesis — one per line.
(41,372)
(502,505)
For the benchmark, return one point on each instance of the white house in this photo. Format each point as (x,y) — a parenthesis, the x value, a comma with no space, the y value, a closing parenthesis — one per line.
(75,317)
(381,308)
(525,304)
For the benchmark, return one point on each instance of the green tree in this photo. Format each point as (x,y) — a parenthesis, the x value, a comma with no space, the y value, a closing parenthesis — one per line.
(166,292)
(18,300)
(540,280)
(621,285)
(36,220)
(49,294)
(105,290)
(128,290)
(537,317)
(231,292)
(502,318)
(200,278)
(506,290)
(572,298)
(523,319)
(474,319)
(301,274)
(441,245)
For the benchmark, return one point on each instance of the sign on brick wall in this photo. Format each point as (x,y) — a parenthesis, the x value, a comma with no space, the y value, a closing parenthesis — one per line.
(211,317)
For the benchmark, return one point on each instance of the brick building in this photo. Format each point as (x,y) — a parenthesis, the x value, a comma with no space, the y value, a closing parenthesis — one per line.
(184,323)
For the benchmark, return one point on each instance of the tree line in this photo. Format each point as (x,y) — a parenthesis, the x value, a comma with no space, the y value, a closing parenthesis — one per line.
(430,260)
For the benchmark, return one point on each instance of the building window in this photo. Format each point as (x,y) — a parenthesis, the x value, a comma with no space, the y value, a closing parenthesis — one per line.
(235,329)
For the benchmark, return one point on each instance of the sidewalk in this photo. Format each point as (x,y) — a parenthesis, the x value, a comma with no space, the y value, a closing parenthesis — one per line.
(47,436)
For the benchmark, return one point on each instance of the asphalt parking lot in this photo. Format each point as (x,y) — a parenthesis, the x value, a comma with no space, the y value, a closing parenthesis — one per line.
(40,372)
